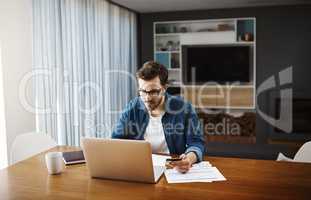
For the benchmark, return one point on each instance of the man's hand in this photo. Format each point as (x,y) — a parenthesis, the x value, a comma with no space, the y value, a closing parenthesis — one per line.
(185,164)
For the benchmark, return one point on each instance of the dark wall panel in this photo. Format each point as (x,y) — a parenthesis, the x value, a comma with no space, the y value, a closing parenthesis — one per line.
(283,36)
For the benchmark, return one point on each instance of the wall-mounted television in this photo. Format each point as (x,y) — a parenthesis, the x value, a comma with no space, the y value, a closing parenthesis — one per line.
(216,63)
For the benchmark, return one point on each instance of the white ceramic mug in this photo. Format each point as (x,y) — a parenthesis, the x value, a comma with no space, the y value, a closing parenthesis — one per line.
(54,162)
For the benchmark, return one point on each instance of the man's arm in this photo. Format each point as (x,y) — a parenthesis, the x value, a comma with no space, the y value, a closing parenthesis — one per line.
(121,129)
(194,140)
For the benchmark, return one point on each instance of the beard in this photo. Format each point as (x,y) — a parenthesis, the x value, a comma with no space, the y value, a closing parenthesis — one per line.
(153,104)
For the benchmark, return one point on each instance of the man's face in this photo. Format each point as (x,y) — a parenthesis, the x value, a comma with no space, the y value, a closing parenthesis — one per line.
(151,92)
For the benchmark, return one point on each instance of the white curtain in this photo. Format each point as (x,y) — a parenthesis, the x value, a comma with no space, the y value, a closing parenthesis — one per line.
(84,66)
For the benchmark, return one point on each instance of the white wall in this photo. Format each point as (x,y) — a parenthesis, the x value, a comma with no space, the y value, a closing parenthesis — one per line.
(3,138)
(16,45)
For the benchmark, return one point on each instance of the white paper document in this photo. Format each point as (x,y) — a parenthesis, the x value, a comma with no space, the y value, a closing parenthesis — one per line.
(200,172)
(159,160)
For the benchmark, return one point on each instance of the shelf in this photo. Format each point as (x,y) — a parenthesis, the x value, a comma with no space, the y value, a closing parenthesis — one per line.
(220,86)
(194,32)
(245,29)
(167,34)
(222,37)
(175,51)
(246,42)
(163,58)
(183,27)
(215,32)
(200,21)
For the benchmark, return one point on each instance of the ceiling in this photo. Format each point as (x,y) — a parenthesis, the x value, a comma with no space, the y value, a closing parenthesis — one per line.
(145,6)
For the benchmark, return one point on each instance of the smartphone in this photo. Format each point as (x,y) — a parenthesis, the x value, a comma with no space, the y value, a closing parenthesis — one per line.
(173,159)
(73,157)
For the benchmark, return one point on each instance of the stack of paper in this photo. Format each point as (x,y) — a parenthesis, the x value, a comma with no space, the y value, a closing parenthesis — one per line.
(200,172)
(159,160)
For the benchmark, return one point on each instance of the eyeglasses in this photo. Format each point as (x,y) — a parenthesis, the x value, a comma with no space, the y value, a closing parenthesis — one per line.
(151,93)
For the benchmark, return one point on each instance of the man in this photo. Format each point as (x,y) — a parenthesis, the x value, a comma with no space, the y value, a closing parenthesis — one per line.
(168,122)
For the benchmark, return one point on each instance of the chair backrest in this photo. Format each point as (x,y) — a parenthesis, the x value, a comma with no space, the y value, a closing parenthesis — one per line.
(282,157)
(304,153)
(29,144)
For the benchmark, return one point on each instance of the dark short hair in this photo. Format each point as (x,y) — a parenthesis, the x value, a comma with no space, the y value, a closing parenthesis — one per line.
(152,69)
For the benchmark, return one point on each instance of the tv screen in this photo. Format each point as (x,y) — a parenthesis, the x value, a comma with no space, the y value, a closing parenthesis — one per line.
(221,64)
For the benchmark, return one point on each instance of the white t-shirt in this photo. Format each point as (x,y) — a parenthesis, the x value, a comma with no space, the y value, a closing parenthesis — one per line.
(155,135)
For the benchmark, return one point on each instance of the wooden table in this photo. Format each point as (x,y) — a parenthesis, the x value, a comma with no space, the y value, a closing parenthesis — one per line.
(246,179)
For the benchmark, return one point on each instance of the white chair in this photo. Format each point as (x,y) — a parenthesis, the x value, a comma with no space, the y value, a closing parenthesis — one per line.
(29,144)
(302,155)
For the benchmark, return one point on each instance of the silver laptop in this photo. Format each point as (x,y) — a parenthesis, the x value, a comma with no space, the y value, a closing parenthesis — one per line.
(129,160)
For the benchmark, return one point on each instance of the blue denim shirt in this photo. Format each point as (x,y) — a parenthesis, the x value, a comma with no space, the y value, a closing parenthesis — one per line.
(182,128)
